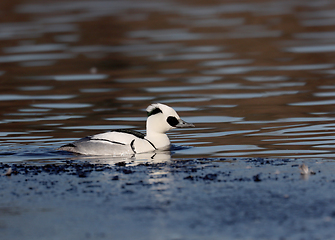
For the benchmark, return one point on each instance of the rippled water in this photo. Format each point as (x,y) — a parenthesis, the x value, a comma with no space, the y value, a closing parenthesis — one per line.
(256,78)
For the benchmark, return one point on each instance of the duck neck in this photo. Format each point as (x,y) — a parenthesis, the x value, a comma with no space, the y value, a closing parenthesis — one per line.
(159,140)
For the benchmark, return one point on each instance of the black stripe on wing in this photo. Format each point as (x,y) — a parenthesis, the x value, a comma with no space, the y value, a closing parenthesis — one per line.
(136,134)
(132,132)
(106,140)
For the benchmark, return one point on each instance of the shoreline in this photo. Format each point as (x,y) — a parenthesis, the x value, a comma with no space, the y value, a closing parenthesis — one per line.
(252,198)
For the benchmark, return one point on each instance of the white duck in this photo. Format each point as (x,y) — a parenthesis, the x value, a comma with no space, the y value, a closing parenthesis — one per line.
(161,118)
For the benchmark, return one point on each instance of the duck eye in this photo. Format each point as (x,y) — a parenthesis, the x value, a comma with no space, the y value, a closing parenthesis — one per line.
(172,121)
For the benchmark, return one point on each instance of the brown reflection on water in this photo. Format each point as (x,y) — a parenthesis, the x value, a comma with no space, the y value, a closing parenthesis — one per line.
(257,62)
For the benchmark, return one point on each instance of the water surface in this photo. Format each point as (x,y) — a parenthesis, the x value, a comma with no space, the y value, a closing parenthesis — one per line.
(256,78)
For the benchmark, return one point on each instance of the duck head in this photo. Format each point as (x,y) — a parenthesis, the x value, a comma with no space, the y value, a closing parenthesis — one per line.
(162,118)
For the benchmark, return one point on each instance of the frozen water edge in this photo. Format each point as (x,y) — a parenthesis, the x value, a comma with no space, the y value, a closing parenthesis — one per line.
(177,199)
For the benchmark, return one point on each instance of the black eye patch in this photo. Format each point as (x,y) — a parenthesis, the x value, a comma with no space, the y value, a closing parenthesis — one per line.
(172,121)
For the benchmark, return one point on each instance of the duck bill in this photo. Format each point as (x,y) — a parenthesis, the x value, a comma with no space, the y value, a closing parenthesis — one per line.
(183,124)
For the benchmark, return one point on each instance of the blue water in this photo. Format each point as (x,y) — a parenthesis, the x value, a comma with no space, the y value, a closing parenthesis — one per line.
(254,83)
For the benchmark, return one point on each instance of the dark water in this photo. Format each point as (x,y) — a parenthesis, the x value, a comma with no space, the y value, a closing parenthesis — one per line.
(255,77)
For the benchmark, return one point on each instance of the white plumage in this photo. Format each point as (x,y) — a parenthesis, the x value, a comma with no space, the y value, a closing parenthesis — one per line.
(161,118)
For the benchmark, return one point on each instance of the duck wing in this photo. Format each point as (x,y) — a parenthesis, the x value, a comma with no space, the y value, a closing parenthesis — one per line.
(117,142)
